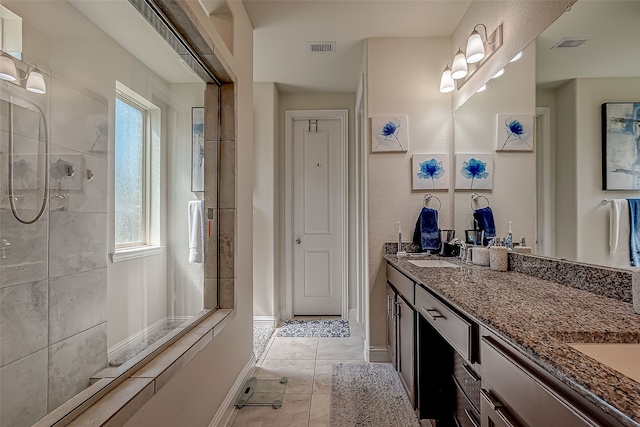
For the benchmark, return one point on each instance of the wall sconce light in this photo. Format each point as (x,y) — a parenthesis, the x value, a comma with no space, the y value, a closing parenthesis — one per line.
(482,89)
(459,69)
(446,82)
(8,70)
(498,74)
(34,80)
(515,58)
(477,51)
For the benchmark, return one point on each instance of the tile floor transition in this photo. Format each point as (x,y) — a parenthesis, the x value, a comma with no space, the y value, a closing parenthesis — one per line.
(307,363)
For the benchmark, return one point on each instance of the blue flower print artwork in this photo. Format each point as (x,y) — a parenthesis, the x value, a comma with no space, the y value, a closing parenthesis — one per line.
(429,171)
(515,132)
(389,133)
(474,171)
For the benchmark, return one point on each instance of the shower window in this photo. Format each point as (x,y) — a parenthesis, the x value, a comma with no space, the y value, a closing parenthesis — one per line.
(136,184)
(130,175)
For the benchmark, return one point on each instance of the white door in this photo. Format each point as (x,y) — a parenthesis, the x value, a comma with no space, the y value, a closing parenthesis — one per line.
(318,205)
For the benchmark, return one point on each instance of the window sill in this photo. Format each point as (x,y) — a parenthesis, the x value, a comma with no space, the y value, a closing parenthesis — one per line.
(138,252)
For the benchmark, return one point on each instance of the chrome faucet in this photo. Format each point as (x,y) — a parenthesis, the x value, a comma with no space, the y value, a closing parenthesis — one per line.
(463,247)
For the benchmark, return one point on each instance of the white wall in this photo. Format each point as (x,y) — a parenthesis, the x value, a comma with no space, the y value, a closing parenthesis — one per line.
(266,222)
(403,76)
(513,197)
(579,109)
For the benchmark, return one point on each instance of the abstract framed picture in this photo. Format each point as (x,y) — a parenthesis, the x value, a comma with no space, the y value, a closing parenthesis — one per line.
(389,133)
(197,149)
(621,146)
(430,171)
(474,171)
(514,132)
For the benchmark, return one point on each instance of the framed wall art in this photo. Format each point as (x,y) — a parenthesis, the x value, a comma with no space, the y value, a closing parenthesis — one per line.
(515,132)
(430,171)
(474,171)
(197,149)
(389,133)
(621,146)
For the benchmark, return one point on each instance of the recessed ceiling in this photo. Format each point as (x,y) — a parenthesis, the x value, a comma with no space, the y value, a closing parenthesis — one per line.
(283,28)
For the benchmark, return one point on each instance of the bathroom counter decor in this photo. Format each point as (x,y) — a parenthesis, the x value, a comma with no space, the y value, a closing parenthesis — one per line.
(540,318)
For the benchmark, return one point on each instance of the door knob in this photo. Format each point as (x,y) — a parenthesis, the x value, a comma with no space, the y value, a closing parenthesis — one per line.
(298,241)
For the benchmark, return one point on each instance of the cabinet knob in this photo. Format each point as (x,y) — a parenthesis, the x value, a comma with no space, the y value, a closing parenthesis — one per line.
(298,241)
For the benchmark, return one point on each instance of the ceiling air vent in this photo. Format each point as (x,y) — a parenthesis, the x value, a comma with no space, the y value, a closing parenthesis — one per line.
(321,47)
(571,42)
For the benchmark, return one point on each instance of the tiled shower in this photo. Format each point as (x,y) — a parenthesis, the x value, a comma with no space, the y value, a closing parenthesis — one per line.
(53,272)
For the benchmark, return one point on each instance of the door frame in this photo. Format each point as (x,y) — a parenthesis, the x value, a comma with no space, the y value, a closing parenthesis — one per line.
(290,117)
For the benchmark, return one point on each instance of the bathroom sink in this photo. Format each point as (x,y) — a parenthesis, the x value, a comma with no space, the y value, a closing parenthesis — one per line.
(619,357)
(430,263)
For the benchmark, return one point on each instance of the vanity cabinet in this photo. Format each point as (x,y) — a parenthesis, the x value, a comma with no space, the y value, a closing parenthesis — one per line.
(401,329)
(513,394)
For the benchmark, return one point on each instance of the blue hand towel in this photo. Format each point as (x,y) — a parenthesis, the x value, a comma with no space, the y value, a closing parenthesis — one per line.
(426,234)
(484,216)
(634,226)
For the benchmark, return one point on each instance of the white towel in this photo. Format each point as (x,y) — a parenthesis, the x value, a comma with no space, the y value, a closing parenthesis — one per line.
(196,230)
(619,233)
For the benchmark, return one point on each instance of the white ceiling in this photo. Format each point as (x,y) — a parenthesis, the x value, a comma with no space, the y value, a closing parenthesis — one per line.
(613,31)
(282,28)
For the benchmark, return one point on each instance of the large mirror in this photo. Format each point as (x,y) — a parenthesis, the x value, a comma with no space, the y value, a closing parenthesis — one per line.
(584,59)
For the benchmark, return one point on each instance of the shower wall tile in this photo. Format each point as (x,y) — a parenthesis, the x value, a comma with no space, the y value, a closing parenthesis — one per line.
(27,122)
(73,361)
(78,120)
(23,249)
(78,242)
(86,190)
(23,391)
(23,320)
(227,244)
(76,303)
(29,164)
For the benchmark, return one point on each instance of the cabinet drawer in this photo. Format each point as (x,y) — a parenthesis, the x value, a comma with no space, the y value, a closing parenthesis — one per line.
(402,284)
(453,328)
(519,389)
(466,415)
(467,379)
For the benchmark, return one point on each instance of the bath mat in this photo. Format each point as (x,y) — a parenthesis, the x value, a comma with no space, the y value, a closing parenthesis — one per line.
(314,328)
(261,336)
(369,394)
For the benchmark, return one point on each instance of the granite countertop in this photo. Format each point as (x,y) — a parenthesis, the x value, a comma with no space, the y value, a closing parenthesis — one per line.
(540,318)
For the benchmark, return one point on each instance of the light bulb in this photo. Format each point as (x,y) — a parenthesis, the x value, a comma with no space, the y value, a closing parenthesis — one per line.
(35,82)
(459,67)
(515,58)
(482,89)
(446,82)
(8,69)
(475,48)
(498,74)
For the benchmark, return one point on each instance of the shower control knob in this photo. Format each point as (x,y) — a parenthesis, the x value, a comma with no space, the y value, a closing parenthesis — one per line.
(298,241)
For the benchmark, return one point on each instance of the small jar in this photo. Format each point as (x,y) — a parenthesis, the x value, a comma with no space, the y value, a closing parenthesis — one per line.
(480,256)
(498,258)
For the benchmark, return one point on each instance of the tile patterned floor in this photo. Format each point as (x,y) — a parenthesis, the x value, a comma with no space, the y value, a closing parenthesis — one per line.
(307,363)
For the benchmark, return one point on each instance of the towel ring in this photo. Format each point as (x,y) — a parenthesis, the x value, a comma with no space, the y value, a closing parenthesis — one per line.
(475,197)
(430,196)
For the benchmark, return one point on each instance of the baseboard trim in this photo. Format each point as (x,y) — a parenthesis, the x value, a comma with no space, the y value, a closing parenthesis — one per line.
(378,354)
(222,417)
(266,321)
